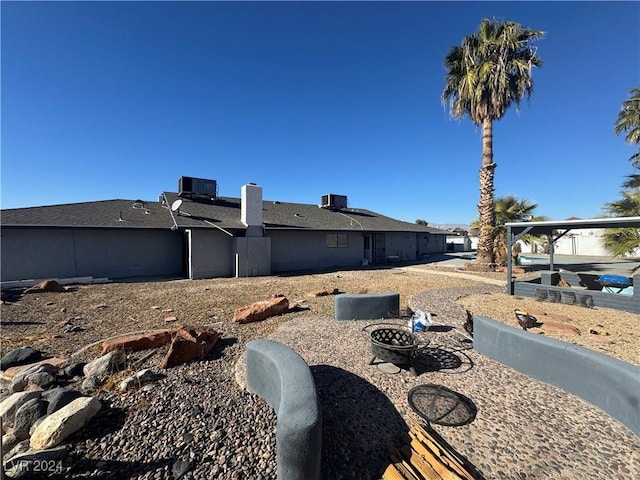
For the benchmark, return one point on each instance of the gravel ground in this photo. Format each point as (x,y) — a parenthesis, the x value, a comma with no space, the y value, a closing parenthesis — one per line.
(197,420)
(524,429)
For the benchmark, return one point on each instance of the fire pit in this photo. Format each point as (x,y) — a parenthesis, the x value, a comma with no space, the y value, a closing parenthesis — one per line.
(395,345)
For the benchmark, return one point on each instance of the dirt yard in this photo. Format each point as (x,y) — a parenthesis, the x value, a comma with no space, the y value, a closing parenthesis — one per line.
(63,323)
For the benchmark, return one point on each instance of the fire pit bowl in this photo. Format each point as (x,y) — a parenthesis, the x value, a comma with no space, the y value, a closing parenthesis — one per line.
(394,345)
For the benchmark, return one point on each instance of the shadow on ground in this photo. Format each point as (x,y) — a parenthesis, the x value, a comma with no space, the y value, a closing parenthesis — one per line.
(359,424)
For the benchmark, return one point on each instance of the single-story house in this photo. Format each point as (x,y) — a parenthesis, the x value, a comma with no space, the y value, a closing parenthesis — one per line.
(195,234)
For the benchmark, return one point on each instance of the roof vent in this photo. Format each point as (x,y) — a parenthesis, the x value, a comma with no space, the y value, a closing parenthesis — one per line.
(333,202)
(197,188)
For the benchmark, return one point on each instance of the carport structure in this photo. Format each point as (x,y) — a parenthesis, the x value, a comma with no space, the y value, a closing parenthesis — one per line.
(557,229)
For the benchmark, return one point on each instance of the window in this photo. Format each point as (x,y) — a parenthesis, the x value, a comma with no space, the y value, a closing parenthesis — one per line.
(337,240)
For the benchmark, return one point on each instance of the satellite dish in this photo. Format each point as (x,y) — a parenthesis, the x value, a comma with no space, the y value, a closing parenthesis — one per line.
(175,206)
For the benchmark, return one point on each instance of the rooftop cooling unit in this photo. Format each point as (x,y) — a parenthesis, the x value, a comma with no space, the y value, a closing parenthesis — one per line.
(333,202)
(197,187)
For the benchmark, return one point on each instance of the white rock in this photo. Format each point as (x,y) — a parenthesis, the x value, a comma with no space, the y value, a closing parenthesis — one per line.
(127,383)
(19,449)
(105,364)
(9,441)
(141,378)
(55,428)
(10,405)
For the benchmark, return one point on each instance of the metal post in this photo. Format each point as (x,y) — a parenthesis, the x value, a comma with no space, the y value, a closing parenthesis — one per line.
(509,255)
(551,248)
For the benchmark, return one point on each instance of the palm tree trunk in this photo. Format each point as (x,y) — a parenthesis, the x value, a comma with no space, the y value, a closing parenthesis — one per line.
(486,209)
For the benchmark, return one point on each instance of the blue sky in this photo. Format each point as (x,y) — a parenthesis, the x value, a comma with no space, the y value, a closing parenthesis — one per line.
(104,100)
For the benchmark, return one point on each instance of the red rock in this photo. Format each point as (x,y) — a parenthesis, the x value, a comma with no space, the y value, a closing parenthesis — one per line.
(190,343)
(536,313)
(133,343)
(261,310)
(46,286)
(324,293)
(560,328)
(514,270)
(170,319)
(603,340)
(559,318)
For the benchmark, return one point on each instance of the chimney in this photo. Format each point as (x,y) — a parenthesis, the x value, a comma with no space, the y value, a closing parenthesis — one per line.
(251,211)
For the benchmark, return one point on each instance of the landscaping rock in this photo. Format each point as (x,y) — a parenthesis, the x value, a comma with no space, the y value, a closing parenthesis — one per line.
(9,441)
(180,467)
(74,369)
(105,364)
(11,372)
(46,286)
(40,380)
(58,398)
(10,405)
(20,356)
(56,427)
(141,378)
(189,343)
(27,415)
(260,310)
(134,343)
(92,383)
(36,424)
(324,293)
(42,375)
(18,449)
(30,464)
(560,328)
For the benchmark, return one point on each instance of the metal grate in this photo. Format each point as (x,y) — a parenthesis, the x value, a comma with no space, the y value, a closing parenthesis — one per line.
(394,345)
(438,404)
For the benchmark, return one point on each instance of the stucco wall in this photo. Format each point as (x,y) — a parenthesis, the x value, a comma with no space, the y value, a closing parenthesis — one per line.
(63,253)
(210,254)
(252,256)
(402,245)
(430,243)
(291,251)
(581,242)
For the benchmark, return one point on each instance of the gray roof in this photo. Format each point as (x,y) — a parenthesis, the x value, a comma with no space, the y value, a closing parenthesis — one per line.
(224,213)
(102,214)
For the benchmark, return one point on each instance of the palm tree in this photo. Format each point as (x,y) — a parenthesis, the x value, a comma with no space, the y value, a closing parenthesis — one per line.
(633,180)
(621,242)
(628,122)
(486,74)
(506,210)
